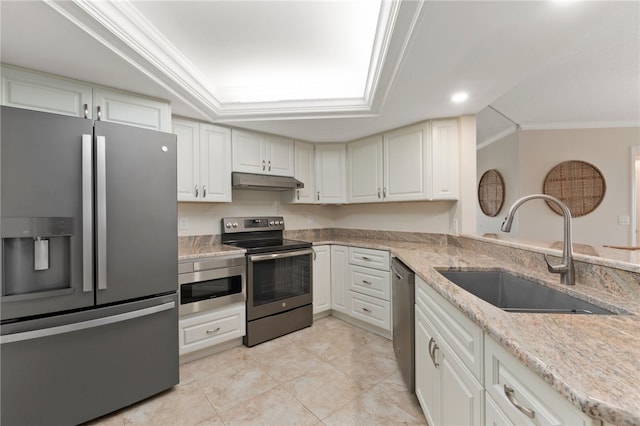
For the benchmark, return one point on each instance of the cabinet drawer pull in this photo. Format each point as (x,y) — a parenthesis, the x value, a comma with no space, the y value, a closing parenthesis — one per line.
(214,330)
(432,352)
(367,310)
(366,282)
(366,258)
(512,399)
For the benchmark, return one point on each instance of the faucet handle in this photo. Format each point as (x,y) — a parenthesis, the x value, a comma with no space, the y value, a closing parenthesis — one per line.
(556,269)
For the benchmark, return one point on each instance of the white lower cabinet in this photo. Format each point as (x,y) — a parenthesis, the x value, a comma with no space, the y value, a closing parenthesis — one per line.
(464,377)
(321,279)
(521,397)
(448,392)
(203,330)
(339,278)
(369,287)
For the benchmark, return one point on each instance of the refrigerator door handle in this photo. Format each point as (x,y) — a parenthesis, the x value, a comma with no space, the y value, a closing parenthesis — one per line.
(87,213)
(98,322)
(101,203)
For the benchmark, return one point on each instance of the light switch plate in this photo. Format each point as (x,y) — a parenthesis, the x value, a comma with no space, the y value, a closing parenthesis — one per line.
(184,223)
(624,220)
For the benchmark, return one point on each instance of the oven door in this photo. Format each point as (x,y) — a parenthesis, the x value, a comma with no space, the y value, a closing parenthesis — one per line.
(278,282)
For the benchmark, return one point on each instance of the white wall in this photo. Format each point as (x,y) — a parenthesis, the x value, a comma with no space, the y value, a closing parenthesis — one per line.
(538,151)
(501,155)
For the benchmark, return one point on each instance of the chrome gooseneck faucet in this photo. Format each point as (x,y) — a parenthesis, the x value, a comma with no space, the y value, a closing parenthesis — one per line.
(566,268)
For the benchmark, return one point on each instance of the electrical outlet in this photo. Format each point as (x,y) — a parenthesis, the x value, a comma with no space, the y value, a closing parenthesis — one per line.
(624,220)
(184,223)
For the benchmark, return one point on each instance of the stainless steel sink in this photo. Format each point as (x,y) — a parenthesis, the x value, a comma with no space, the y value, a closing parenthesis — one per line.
(514,294)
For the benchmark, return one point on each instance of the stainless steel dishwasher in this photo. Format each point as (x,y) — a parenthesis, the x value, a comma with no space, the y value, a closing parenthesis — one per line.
(403,284)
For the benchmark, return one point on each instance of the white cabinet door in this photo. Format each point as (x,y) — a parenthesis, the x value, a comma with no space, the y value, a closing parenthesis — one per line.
(321,279)
(248,152)
(262,154)
(188,138)
(279,156)
(132,110)
(405,163)
(444,162)
(215,163)
(339,277)
(305,172)
(365,170)
(42,92)
(427,375)
(204,161)
(331,173)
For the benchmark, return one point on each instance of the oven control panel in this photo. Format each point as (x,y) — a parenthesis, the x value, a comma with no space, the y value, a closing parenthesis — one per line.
(250,224)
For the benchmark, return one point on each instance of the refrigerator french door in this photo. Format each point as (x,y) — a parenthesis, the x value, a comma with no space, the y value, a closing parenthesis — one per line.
(89,267)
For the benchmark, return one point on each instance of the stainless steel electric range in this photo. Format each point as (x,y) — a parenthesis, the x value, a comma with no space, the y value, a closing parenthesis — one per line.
(279,277)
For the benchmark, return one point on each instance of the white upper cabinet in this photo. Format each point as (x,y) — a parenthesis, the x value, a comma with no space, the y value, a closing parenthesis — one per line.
(47,93)
(365,170)
(331,174)
(406,163)
(305,173)
(204,161)
(444,159)
(262,154)
(123,108)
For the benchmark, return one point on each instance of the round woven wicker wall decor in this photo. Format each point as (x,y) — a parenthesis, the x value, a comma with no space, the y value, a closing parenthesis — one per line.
(578,184)
(491,192)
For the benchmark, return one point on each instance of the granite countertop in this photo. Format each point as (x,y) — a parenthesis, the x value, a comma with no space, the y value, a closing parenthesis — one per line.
(592,360)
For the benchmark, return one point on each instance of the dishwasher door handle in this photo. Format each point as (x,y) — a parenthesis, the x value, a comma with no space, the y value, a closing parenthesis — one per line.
(396,273)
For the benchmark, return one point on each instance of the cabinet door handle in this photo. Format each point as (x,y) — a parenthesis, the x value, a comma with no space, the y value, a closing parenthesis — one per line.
(509,392)
(204,191)
(318,195)
(384,192)
(86,110)
(367,310)
(214,330)
(433,347)
(99,113)
(269,165)
(263,165)
(366,282)
(379,193)
(298,194)
(196,190)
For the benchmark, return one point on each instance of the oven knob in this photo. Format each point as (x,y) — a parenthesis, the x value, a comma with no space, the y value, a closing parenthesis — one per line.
(235,224)
(282,222)
(228,225)
(271,223)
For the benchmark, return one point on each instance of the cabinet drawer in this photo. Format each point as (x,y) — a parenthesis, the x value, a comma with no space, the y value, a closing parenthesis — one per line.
(528,390)
(378,259)
(462,334)
(199,331)
(370,309)
(372,282)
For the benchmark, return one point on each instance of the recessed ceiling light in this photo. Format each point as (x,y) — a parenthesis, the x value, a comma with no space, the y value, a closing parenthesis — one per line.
(459,97)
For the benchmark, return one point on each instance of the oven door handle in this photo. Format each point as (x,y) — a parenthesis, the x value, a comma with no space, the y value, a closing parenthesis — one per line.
(261,257)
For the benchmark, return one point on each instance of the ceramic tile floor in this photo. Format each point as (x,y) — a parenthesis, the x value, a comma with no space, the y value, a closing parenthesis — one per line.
(329,374)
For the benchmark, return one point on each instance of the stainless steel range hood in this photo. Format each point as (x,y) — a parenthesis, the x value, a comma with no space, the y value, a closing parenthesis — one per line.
(264,182)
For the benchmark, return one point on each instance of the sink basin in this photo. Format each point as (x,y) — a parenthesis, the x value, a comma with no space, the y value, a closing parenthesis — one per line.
(515,294)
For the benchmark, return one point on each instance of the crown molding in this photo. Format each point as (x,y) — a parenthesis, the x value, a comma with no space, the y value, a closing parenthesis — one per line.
(580,125)
(120,27)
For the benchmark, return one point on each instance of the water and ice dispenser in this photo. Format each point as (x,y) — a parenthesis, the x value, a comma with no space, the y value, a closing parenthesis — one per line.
(36,255)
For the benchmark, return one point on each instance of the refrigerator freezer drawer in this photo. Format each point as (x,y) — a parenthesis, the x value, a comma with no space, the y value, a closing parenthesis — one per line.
(102,361)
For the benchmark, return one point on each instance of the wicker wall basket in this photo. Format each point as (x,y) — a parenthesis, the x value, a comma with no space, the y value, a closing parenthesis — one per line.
(578,184)
(491,192)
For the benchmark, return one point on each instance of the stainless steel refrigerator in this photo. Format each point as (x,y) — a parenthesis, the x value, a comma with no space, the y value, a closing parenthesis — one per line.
(89,267)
